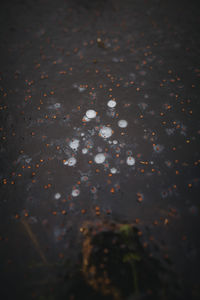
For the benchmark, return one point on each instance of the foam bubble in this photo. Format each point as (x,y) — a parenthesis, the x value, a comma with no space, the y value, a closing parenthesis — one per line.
(57,196)
(74,144)
(86,119)
(91,114)
(130,160)
(158,148)
(84,178)
(84,150)
(81,89)
(70,162)
(75,193)
(105,132)
(99,158)
(113,170)
(111,103)
(93,190)
(122,123)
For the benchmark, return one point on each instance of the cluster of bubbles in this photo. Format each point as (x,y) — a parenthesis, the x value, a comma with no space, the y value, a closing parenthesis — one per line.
(104,132)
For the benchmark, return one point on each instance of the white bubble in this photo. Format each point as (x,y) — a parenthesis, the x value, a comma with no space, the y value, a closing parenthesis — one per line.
(93,190)
(111,113)
(111,103)
(158,148)
(113,170)
(75,193)
(99,158)
(57,196)
(81,89)
(70,162)
(86,119)
(84,178)
(105,132)
(84,150)
(115,142)
(122,123)
(91,114)
(57,105)
(28,160)
(130,160)
(74,144)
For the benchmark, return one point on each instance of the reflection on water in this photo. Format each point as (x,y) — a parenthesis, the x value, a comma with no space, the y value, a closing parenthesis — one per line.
(116,265)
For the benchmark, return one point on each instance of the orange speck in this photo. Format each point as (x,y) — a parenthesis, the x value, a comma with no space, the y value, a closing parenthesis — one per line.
(112,190)
(61,255)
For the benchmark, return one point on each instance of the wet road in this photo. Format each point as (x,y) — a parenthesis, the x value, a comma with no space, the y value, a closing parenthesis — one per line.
(70,155)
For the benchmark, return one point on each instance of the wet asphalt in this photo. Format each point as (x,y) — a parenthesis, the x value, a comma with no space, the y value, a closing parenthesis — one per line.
(61,59)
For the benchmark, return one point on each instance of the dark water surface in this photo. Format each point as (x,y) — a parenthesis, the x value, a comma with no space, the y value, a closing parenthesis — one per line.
(60,59)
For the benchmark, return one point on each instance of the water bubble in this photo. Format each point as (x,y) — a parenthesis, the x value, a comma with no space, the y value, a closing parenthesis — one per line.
(111,103)
(113,170)
(74,144)
(84,150)
(99,158)
(130,160)
(70,162)
(57,105)
(158,148)
(122,123)
(57,196)
(86,119)
(93,189)
(81,89)
(84,178)
(75,193)
(91,114)
(105,132)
